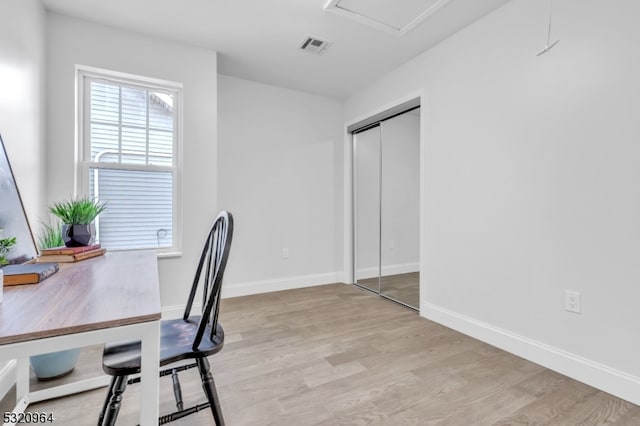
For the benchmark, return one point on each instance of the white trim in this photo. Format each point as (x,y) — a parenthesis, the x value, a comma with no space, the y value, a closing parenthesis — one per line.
(348,255)
(169,254)
(175,311)
(390,106)
(608,379)
(132,167)
(348,206)
(403,268)
(333,7)
(278,284)
(82,139)
(136,80)
(257,287)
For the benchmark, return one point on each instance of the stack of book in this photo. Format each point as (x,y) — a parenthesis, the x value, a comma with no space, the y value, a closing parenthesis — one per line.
(70,254)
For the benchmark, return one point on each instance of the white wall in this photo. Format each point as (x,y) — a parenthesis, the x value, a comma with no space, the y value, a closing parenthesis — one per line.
(72,42)
(530,183)
(22,97)
(280,174)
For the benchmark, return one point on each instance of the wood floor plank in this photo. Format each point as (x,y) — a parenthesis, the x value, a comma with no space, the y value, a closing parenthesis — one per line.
(600,408)
(553,407)
(337,355)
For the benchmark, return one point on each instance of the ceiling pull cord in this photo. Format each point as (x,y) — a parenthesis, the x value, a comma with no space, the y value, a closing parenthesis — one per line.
(549,45)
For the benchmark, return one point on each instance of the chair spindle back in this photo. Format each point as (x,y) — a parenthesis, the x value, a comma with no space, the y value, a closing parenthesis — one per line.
(214,256)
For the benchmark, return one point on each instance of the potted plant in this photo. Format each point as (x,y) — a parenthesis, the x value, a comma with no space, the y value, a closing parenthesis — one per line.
(55,364)
(77,216)
(5,246)
(51,235)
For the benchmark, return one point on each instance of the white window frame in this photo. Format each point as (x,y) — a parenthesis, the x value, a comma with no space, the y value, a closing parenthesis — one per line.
(83,141)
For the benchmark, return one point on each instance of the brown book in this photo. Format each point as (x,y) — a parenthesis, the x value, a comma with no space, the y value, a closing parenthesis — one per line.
(68,250)
(69,258)
(28,273)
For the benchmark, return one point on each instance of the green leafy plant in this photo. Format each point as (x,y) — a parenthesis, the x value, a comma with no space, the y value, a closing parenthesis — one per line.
(51,235)
(79,211)
(5,247)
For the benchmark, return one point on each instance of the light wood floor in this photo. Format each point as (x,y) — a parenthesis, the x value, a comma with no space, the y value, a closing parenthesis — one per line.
(404,288)
(338,355)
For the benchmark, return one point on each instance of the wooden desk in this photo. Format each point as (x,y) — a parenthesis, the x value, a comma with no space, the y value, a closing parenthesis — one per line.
(112,297)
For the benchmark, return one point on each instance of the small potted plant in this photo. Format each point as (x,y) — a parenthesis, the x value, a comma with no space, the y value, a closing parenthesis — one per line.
(77,216)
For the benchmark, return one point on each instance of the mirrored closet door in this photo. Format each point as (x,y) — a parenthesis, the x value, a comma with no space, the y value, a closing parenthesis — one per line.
(367,157)
(386,180)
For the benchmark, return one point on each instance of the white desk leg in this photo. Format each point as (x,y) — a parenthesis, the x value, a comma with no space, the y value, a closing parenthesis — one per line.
(149,388)
(22,386)
(22,377)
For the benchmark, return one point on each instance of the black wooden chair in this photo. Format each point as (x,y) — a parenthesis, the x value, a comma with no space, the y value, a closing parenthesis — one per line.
(193,337)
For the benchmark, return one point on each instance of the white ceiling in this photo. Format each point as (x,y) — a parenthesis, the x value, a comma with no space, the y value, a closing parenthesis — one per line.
(257,39)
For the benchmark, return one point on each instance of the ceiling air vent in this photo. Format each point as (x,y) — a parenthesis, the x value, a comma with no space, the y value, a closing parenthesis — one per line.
(313,45)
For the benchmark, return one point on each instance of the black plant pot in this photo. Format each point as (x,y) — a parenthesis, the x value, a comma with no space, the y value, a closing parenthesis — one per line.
(78,235)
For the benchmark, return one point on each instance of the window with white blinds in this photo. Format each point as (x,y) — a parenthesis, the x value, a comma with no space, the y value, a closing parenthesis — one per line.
(129,158)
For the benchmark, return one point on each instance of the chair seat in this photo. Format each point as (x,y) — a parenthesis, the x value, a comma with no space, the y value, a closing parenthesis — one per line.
(176,340)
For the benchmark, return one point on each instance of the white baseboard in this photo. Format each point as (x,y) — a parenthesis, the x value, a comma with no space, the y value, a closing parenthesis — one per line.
(7,376)
(256,287)
(402,268)
(176,311)
(266,286)
(610,380)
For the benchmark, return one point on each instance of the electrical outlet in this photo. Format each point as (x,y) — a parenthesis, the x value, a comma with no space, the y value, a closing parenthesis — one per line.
(572,301)
(392,245)
(285,253)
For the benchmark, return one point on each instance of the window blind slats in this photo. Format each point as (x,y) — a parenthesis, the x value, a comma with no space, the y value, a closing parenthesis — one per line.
(134,107)
(160,147)
(104,102)
(119,122)
(139,208)
(134,146)
(104,139)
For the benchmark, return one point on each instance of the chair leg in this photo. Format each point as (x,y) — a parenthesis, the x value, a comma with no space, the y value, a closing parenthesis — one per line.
(106,400)
(118,385)
(177,390)
(209,387)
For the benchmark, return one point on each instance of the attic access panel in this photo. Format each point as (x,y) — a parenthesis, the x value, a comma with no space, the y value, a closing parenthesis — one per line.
(396,17)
